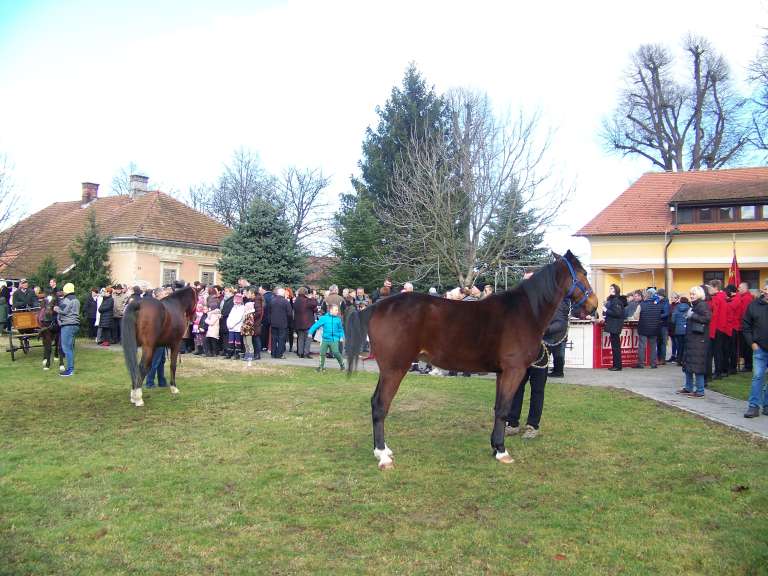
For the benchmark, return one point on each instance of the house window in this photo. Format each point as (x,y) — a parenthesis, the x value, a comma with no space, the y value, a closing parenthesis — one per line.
(751,277)
(714,275)
(170,272)
(208,277)
(748,212)
(685,215)
(726,214)
(705,214)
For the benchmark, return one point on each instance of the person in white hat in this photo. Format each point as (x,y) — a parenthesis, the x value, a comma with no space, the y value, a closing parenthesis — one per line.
(69,321)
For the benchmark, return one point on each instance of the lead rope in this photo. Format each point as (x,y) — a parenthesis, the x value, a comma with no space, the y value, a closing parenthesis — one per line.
(545,350)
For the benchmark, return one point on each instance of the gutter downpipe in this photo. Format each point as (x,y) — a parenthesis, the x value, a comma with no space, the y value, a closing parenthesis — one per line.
(669,236)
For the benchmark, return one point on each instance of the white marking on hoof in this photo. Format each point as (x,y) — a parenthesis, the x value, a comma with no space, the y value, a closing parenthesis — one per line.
(174,390)
(139,401)
(504,457)
(45,367)
(385,458)
(44,363)
(62,368)
(133,396)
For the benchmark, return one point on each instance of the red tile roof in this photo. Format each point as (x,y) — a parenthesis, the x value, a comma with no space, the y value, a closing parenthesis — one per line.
(153,216)
(644,207)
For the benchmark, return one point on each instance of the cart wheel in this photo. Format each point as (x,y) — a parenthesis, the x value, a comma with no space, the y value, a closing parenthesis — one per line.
(11,347)
(25,345)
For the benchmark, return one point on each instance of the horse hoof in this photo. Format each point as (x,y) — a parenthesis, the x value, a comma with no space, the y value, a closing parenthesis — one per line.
(386,465)
(504,457)
(174,390)
(138,403)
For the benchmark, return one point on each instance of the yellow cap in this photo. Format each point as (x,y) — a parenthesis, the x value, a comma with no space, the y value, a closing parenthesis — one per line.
(68,288)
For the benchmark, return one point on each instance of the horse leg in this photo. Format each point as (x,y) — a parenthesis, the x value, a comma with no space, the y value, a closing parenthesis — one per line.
(507,383)
(59,351)
(174,357)
(46,337)
(389,382)
(144,364)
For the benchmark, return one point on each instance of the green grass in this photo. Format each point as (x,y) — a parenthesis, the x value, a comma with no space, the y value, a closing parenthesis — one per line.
(735,386)
(271,472)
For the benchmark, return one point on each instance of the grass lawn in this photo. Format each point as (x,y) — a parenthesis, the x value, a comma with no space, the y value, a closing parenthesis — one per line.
(735,386)
(271,472)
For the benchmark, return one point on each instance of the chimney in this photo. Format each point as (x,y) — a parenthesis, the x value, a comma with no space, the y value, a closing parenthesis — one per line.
(90,192)
(138,185)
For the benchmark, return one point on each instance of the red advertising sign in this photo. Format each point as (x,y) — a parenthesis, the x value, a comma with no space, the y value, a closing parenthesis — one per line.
(603,356)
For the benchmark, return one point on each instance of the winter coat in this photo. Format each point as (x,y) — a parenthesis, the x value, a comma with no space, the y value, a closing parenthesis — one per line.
(226,306)
(745,299)
(732,312)
(679,319)
(258,312)
(24,299)
(106,312)
(696,343)
(235,318)
(69,311)
(212,320)
(90,308)
(755,323)
(3,311)
(614,315)
(333,331)
(558,326)
(650,318)
(280,312)
(266,317)
(304,312)
(719,322)
(121,301)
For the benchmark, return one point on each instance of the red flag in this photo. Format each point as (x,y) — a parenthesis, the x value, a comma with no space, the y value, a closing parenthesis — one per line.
(734,276)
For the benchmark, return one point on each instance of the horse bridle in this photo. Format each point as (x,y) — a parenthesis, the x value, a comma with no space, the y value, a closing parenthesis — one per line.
(576,283)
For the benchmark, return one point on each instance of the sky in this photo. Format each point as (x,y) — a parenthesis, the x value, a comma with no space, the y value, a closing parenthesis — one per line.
(175,87)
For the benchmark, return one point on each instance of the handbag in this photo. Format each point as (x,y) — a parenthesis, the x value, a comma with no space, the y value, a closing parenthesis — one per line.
(696,327)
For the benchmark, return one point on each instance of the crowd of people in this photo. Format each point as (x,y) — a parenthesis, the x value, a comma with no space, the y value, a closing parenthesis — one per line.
(712,333)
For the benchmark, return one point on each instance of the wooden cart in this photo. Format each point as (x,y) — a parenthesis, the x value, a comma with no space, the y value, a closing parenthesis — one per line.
(24,327)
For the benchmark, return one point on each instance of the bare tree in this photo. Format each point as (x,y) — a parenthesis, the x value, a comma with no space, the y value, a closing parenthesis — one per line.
(758,75)
(10,213)
(300,192)
(679,126)
(463,203)
(121,182)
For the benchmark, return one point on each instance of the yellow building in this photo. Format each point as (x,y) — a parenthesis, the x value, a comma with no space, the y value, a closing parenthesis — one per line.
(676,230)
(154,239)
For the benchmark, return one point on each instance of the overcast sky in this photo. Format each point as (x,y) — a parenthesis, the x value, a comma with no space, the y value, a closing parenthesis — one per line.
(176,86)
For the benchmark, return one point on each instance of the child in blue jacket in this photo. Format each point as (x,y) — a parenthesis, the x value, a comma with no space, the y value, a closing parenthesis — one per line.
(333,333)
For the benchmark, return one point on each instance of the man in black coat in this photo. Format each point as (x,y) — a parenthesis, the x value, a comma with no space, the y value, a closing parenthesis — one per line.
(24,297)
(555,337)
(613,312)
(648,328)
(755,330)
(281,313)
(90,308)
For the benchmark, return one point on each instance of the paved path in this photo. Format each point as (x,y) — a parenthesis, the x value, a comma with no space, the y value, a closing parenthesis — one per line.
(659,385)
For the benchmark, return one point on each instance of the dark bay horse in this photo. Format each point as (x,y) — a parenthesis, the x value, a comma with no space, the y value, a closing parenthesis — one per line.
(151,323)
(501,333)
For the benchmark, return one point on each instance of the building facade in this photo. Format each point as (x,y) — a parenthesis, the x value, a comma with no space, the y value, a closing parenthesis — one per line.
(154,239)
(676,230)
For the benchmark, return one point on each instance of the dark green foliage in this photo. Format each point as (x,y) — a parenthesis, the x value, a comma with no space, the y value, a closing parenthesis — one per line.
(90,255)
(411,110)
(261,248)
(48,269)
(358,235)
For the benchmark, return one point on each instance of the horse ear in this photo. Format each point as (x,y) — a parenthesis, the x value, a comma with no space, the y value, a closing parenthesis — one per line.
(569,255)
(555,255)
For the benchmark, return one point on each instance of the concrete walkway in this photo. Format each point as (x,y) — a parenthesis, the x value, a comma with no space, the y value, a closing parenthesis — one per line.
(660,385)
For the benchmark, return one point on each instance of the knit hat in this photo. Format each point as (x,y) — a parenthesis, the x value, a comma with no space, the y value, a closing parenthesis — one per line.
(69,288)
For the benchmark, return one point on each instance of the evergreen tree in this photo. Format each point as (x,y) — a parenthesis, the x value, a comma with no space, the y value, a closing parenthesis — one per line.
(262,249)
(90,256)
(412,110)
(357,234)
(47,270)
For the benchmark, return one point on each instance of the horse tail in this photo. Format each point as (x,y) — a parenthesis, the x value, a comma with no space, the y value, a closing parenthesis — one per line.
(130,347)
(356,333)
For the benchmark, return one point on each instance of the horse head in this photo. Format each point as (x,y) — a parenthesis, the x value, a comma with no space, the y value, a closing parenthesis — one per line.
(580,292)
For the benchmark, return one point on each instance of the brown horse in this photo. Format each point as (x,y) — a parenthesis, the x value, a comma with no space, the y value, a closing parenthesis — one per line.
(501,334)
(152,323)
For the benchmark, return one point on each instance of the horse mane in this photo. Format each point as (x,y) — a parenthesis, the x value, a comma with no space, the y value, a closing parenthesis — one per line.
(541,287)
